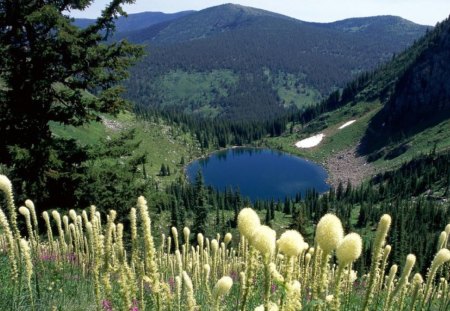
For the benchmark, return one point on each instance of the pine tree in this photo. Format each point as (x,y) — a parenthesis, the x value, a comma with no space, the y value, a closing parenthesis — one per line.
(201,205)
(53,71)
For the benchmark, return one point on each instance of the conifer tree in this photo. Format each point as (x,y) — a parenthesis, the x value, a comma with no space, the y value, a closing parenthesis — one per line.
(53,71)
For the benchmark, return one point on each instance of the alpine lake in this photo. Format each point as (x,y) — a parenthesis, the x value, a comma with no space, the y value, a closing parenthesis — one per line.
(259,174)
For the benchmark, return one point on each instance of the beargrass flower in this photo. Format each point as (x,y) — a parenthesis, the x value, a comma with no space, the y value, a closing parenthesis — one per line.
(329,233)
(248,222)
(227,238)
(222,286)
(349,249)
(263,240)
(291,243)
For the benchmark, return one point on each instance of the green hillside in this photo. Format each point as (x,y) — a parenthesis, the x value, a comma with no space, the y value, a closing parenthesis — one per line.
(163,144)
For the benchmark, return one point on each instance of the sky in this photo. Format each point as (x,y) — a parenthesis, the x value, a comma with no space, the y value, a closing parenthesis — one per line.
(426,12)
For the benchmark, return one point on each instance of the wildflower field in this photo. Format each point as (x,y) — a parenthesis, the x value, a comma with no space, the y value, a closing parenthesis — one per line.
(82,261)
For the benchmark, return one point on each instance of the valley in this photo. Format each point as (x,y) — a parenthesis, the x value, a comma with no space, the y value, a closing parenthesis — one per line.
(224,159)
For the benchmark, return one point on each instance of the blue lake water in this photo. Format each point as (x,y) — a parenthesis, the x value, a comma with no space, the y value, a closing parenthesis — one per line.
(259,173)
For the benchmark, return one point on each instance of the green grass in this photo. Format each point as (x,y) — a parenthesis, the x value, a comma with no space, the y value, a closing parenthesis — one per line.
(293,90)
(196,90)
(86,134)
(437,136)
(335,140)
(56,285)
(163,144)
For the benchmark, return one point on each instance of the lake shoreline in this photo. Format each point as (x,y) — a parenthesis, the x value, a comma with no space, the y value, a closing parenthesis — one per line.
(259,172)
(346,165)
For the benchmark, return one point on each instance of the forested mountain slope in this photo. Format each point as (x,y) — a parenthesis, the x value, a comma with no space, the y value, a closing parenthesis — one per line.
(400,110)
(136,21)
(417,96)
(237,62)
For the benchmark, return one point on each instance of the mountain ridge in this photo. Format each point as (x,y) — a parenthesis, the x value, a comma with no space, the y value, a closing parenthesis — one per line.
(292,63)
(136,21)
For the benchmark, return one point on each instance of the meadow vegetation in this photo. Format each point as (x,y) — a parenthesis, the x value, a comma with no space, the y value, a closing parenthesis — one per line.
(85,261)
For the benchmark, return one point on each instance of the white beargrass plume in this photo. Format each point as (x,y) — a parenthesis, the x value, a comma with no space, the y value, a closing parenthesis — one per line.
(221,288)
(329,233)
(227,239)
(442,240)
(349,249)
(416,285)
(271,307)
(13,252)
(25,212)
(440,258)
(264,240)
(175,237)
(409,264)
(31,207)
(248,222)
(291,243)
(26,254)
(6,187)
(191,303)
(347,252)
(380,238)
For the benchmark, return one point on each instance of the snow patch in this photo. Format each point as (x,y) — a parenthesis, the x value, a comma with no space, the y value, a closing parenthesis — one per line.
(346,124)
(310,142)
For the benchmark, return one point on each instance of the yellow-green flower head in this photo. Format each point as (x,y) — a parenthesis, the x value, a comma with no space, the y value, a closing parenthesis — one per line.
(385,223)
(329,298)
(248,222)
(227,238)
(25,247)
(207,268)
(5,184)
(307,258)
(24,211)
(186,233)
(141,201)
(45,216)
(441,257)
(29,204)
(329,233)
(73,215)
(214,245)
(295,286)
(410,261)
(187,281)
(291,243)
(174,232)
(349,249)
(200,239)
(392,272)
(442,239)
(89,228)
(272,307)
(417,279)
(264,240)
(56,216)
(387,250)
(223,286)
(447,229)
(112,214)
(311,251)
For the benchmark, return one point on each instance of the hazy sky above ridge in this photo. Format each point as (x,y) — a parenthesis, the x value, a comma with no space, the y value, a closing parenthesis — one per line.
(427,12)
